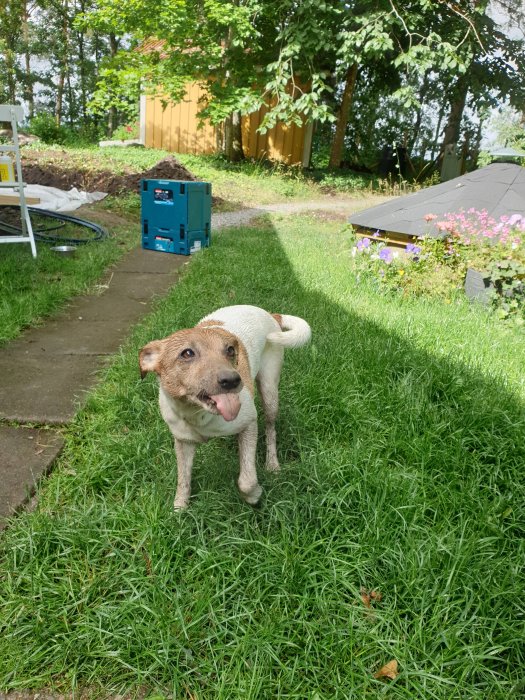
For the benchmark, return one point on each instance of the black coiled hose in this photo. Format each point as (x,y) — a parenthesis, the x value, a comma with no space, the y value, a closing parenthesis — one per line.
(43,234)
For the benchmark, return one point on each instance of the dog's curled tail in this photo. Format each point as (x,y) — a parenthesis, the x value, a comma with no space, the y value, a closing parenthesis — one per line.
(295,331)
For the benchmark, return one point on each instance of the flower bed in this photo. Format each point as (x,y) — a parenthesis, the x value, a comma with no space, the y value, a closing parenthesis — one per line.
(438,266)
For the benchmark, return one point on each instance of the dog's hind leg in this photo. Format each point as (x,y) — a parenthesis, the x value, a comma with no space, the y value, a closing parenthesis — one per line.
(185,452)
(268,385)
(249,487)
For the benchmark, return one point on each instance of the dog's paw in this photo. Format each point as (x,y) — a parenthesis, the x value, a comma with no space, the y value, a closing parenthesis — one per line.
(253,503)
(251,494)
(179,505)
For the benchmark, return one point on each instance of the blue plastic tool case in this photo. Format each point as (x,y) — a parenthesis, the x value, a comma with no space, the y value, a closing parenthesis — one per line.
(175,215)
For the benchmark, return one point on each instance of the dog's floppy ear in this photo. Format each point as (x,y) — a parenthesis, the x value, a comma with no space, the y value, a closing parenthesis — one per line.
(149,357)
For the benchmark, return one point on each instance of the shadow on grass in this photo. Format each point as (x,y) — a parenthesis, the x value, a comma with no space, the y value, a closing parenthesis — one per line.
(402,474)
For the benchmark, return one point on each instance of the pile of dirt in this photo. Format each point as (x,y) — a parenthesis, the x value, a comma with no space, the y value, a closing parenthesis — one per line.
(168,169)
(56,173)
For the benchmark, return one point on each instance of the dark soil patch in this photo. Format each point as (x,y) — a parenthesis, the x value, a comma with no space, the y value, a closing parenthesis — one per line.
(58,174)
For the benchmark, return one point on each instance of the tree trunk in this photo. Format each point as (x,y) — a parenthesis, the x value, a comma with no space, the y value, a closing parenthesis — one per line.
(476,145)
(237,153)
(336,153)
(436,133)
(28,91)
(113,115)
(419,114)
(63,65)
(227,137)
(457,107)
(60,96)
(9,55)
(232,132)
(82,69)
(70,97)
(233,137)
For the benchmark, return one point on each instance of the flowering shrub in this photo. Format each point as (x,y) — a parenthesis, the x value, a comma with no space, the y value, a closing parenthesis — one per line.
(437,266)
(478,227)
(126,132)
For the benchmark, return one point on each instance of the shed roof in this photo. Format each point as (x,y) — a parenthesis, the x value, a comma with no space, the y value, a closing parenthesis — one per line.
(498,188)
(507,152)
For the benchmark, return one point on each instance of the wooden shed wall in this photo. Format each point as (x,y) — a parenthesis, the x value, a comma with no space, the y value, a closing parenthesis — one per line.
(283,142)
(175,128)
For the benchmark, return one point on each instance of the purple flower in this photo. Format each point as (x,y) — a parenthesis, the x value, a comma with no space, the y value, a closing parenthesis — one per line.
(413,249)
(363,244)
(376,234)
(386,255)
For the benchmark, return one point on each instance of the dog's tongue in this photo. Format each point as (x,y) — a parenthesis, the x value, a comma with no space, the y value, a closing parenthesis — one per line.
(229,405)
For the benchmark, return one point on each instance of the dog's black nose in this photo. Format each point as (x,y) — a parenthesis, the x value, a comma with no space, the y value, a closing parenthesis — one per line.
(229,380)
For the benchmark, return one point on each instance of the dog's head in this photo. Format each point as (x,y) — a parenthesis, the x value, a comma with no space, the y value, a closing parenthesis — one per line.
(206,367)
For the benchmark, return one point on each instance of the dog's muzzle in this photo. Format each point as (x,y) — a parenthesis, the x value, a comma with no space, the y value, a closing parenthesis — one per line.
(229,380)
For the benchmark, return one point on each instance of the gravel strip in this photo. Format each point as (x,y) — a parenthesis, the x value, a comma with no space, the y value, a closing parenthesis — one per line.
(243,216)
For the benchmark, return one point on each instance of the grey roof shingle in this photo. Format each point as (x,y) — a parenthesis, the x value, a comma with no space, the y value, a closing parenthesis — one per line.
(498,188)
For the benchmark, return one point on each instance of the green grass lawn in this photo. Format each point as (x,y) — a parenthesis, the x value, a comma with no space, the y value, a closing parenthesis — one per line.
(33,288)
(402,444)
(247,183)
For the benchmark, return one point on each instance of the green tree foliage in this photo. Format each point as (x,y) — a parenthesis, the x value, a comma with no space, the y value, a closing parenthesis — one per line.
(423,73)
(72,57)
(508,128)
(456,46)
(222,45)
(11,12)
(47,60)
(303,58)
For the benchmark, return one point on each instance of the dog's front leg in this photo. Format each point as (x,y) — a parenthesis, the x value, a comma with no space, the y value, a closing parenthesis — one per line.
(248,485)
(185,452)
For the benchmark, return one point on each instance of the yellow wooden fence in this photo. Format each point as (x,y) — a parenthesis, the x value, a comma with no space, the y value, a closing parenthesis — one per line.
(175,127)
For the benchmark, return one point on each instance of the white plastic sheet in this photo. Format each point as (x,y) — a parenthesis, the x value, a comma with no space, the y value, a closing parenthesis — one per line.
(53,199)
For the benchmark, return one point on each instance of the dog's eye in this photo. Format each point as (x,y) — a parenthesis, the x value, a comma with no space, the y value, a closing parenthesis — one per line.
(230,351)
(187,353)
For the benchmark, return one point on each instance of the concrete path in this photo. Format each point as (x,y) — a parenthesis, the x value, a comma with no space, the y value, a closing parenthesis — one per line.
(46,373)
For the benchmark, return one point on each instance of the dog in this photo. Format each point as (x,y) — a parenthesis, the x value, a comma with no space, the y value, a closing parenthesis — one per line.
(206,386)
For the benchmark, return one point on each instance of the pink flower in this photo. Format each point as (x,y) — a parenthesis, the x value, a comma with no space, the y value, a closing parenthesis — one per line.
(517,220)
(477,227)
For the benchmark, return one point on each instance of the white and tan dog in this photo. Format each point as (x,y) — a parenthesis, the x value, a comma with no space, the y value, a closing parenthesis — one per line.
(206,378)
